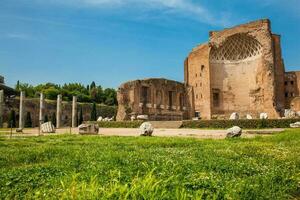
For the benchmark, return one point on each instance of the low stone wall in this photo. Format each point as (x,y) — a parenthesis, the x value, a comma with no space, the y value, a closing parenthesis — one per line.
(32,106)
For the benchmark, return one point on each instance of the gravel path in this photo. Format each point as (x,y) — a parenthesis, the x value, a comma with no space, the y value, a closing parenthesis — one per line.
(196,133)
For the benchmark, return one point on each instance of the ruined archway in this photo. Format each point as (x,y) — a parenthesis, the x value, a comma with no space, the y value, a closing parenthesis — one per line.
(234,66)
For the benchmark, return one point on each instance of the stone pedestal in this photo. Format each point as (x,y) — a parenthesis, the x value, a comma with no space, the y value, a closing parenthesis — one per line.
(41,114)
(74,112)
(58,111)
(1,107)
(21,110)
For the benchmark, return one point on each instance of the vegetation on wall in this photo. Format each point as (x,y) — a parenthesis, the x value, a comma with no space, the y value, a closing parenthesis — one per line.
(90,93)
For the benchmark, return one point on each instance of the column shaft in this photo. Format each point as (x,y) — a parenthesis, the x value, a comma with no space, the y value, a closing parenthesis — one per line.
(21,110)
(58,111)
(74,112)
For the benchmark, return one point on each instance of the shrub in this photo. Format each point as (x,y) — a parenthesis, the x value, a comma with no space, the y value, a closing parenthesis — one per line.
(243,123)
(28,121)
(53,119)
(121,124)
(12,119)
(94,113)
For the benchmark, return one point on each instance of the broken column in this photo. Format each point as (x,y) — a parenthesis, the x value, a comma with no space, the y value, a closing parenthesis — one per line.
(41,108)
(74,112)
(58,111)
(21,110)
(1,107)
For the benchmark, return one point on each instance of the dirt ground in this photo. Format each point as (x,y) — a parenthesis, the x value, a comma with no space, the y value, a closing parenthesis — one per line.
(160,132)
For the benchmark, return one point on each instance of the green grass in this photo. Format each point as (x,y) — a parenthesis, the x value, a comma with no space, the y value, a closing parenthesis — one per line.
(93,167)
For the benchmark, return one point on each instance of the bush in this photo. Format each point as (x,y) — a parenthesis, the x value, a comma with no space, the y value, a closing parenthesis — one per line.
(123,124)
(243,123)
(107,111)
(28,121)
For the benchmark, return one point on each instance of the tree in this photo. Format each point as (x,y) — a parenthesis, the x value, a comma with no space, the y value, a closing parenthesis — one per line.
(51,93)
(80,117)
(18,86)
(93,85)
(53,119)
(94,113)
(110,96)
(46,119)
(28,121)
(12,119)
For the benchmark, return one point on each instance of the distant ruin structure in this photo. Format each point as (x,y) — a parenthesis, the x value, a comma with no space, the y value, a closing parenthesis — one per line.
(240,70)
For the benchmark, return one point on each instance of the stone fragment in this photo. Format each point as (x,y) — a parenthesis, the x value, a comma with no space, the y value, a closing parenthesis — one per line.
(19,130)
(234,116)
(289,113)
(248,116)
(263,116)
(100,119)
(234,132)
(132,118)
(146,129)
(295,125)
(86,129)
(195,118)
(142,117)
(47,127)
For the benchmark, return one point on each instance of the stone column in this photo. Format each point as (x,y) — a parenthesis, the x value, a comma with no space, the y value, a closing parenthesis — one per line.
(41,119)
(74,112)
(21,110)
(58,111)
(1,107)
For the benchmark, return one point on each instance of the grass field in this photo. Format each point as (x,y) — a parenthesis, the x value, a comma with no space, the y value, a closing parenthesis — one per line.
(93,167)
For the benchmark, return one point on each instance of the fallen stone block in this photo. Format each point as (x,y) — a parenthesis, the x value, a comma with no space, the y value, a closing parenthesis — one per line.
(88,129)
(146,129)
(234,132)
(47,127)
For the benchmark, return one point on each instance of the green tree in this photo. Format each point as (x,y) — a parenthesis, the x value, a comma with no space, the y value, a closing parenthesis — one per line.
(93,85)
(110,96)
(53,119)
(46,118)
(28,121)
(18,86)
(51,93)
(12,119)
(80,117)
(94,113)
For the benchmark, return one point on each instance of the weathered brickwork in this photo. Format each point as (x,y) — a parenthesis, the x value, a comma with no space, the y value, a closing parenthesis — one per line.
(240,69)
(160,99)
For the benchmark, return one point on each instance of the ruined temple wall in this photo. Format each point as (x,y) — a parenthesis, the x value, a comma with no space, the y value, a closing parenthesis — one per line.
(152,97)
(279,74)
(236,82)
(198,77)
(264,88)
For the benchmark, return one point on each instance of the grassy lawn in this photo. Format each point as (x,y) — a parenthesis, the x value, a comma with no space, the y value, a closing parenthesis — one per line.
(92,167)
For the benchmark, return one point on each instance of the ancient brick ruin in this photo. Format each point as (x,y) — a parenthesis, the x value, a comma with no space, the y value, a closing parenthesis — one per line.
(239,70)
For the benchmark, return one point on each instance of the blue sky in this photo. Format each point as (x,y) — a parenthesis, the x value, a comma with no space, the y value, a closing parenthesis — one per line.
(112,41)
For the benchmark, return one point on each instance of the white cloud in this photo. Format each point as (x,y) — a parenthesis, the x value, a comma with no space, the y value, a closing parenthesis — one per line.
(19,36)
(182,7)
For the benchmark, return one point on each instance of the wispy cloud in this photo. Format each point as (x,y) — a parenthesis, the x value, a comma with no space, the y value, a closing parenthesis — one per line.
(18,36)
(186,8)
